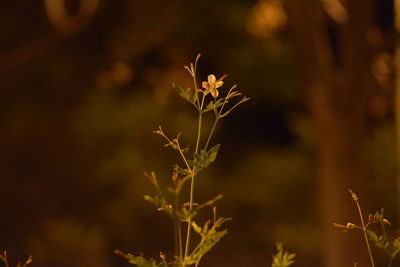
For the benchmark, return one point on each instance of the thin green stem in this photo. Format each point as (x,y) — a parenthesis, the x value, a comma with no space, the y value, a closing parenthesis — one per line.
(184,158)
(199,131)
(200,124)
(217,117)
(211,132)
(384,231)
(191,198)
(191,202)
(178,230)
(365,234)
(188,233)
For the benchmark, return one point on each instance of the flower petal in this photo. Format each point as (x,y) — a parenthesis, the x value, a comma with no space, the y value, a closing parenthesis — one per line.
(214,92)
(218,84)
(211,79)
(205,85)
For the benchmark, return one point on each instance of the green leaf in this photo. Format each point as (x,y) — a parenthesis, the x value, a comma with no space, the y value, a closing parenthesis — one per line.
(214,105)
(185,214)
(282,258)
(379,241)
(204,158)
(212,153)
(391,248)
(210,236)
(140,261)
(396,247)
(374,238)
(189,94)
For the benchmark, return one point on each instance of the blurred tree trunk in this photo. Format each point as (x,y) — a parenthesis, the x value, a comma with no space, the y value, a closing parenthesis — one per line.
(397,106)
(334,60)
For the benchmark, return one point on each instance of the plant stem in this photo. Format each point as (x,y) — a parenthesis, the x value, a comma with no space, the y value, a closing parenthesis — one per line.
(200,124)
(183,157)
(199,131)
(365,234)
(211,132)
(190,220)
(178,230)
(191,198)
(190,208)
(217,117)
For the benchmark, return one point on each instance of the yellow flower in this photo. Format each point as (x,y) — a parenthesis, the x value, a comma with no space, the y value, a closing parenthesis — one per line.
(211,85)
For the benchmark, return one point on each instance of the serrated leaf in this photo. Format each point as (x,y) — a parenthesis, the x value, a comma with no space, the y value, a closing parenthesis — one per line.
(188,94)
(282,258)
(139,260)
(204,158)
(214,105)
(374,238)
(379,241)
(392,248)
(209,238)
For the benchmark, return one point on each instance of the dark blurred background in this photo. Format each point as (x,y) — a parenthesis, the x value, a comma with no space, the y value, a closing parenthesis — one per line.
(85,82)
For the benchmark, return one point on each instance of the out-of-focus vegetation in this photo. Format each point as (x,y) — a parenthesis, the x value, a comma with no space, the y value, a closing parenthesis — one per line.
(81,95)
(388,244)
(4,260)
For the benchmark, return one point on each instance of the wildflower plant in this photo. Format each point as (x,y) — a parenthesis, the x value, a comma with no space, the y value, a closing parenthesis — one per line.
(182,209)
(390,246)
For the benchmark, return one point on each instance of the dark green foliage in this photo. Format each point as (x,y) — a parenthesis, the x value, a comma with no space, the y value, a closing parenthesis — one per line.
(204,158)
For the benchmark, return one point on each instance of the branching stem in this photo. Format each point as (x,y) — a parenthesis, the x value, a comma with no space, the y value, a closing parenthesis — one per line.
(364,229)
